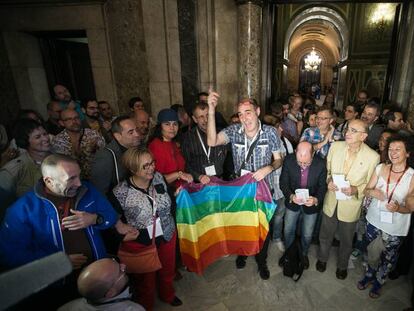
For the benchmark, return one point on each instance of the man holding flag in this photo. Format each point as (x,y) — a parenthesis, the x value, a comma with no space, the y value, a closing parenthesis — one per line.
(256,150)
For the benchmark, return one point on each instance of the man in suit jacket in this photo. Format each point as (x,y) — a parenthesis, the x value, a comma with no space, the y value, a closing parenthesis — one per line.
(356,161)
(370,116)
(302,170)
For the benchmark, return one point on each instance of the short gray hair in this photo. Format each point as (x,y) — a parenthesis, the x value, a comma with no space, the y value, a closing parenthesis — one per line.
(50,163)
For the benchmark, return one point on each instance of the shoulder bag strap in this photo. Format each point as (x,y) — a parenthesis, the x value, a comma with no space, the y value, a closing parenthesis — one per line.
(115,163)
(249,155)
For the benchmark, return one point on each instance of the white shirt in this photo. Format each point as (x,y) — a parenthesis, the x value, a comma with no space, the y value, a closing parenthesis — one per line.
(400,222)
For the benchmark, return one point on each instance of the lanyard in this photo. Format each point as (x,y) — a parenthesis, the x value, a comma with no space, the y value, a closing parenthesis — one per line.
(204,147)
(396,184)
(152,198)
(247,152)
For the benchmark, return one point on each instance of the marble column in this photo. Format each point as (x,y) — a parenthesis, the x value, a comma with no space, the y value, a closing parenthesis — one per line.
(249,19)
(410,108)
(403,76)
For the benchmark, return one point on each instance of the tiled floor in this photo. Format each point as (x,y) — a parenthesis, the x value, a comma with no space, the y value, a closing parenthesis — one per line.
(223,288)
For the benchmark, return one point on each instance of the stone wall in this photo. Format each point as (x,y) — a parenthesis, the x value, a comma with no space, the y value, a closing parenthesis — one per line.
(217,50)
(128,50)
(369,53)
(9,101)
(17,22)
(160,18)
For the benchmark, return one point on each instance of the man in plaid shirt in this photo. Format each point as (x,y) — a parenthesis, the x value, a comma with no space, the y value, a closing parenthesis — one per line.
(264,160)
(324,134)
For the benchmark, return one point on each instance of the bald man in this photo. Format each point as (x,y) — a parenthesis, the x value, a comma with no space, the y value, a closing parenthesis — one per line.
(142,121)
(63,96)
(356,162)
(104,286)
(302,171)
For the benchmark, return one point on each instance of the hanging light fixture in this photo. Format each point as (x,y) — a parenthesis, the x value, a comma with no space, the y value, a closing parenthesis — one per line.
(312,61)
(381,18)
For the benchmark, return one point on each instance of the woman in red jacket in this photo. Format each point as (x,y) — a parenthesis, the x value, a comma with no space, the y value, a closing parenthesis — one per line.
(168,158)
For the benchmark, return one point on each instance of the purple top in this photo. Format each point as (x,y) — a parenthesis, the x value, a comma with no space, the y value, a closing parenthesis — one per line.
(304,172)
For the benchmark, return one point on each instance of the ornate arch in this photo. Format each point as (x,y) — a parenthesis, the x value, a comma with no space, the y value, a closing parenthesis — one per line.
(320,13)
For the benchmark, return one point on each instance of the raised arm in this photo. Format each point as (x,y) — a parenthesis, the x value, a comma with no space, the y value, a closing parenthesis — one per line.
(213,139)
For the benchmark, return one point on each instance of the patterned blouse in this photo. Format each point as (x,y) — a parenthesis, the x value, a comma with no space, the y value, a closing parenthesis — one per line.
(137,205)
(90,142)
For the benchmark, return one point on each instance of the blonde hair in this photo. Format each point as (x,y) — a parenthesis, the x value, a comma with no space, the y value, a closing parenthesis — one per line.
(132,159)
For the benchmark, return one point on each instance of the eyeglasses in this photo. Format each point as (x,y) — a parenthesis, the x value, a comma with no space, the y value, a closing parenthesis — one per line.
(322,119)
(354,131)
(122,272)
(71,119)
(148,165)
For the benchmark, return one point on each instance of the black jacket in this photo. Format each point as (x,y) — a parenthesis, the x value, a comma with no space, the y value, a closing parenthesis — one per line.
(103,172)
(290,181)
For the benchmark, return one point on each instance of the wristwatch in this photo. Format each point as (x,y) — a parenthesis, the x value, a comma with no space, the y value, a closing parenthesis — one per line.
(99,219)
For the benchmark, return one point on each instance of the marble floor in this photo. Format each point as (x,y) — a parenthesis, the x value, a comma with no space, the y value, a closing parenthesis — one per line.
(223,287)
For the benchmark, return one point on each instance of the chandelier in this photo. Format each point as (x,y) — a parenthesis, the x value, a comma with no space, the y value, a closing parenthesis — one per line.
(312,61)
(381,18)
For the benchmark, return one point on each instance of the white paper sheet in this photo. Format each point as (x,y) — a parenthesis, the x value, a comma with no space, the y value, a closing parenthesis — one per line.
(158,228)
(340,182)
(386,217)
(302,194)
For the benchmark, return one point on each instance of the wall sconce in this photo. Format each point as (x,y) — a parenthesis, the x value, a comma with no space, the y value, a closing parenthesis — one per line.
(381,17)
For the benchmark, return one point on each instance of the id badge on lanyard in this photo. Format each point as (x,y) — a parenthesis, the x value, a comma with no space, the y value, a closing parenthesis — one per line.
(158,228)
(210,170)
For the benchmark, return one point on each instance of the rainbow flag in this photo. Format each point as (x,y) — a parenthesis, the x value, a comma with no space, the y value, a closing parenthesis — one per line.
(222,218)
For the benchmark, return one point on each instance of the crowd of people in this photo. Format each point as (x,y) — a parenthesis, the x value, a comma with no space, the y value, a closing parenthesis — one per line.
(89,183)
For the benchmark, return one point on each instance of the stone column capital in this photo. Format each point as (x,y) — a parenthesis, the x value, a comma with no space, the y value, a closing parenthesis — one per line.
(256,2)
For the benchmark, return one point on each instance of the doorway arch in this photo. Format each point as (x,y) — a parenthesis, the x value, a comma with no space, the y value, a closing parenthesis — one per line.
(324,14)
(336,53)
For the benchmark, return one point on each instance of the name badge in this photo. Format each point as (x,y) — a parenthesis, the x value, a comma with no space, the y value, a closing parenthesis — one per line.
(244,172)
(386,217)
(210,170)
(158,229)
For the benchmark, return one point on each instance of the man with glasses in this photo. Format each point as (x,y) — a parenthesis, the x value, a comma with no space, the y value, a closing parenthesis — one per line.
(302,171)
(352,163)
(104,286)
(323,134)
(201,160)
(81,144)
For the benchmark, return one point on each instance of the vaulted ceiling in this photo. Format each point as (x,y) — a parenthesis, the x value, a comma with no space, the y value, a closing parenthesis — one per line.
(318,33)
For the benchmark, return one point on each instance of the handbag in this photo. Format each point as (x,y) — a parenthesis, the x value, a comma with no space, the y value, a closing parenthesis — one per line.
(144,261)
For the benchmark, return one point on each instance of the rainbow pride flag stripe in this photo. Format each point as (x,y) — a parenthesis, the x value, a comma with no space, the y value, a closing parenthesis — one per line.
(222,218)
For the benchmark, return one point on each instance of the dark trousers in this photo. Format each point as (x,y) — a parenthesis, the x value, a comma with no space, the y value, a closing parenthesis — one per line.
(261,257)
(326,235)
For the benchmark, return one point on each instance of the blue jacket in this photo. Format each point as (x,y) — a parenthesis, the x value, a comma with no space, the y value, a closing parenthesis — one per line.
(31,227)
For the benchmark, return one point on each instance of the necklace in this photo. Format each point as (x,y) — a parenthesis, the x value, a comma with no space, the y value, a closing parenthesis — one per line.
(135,185)
(399,171)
